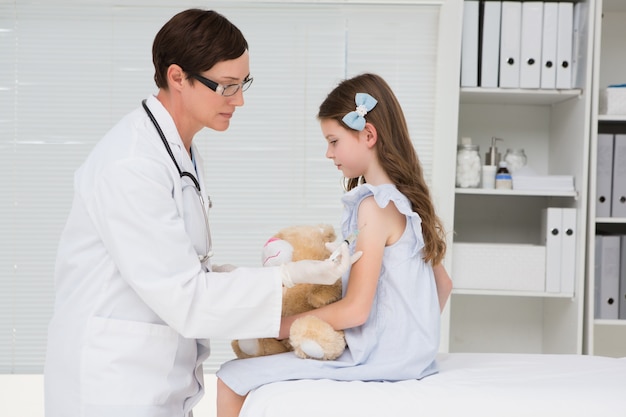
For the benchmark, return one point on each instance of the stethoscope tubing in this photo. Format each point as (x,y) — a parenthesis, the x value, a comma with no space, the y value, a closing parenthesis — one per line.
(182,174)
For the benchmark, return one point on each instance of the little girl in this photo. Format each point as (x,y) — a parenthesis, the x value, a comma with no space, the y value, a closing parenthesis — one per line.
(390,307)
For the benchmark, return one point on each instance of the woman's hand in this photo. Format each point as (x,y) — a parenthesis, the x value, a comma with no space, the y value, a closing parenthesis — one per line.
(318,272)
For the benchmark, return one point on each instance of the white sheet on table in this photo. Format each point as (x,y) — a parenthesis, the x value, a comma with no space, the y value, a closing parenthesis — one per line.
(468,384)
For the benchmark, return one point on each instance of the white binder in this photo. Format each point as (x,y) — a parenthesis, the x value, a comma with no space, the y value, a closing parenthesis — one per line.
(530,49)
(490,50)
(607,266)
(469,44)
(551,232)
(564,45)
(568,250)
(604,174)
(618,197)
(548,47)
(621,304)
(510,34)
(579,41)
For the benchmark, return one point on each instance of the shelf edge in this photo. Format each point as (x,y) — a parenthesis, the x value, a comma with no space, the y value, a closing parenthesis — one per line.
(531,294)
(530,193)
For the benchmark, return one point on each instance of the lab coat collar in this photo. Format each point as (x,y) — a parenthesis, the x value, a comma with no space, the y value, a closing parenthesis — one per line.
(168,127)
(199,167)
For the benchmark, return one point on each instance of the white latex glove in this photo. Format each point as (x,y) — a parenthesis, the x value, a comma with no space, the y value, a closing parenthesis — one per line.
(332,246)
(318,272)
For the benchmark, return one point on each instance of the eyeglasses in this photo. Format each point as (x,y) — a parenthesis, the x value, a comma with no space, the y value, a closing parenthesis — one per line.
(224,90)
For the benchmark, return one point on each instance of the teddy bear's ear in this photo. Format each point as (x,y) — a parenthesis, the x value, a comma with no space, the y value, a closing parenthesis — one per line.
(328,232)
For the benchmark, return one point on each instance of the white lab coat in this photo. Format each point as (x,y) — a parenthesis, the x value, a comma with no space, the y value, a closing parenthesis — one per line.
(134,307)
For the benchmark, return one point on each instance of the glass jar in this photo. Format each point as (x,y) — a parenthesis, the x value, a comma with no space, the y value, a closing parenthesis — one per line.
(467,166)
(515,159)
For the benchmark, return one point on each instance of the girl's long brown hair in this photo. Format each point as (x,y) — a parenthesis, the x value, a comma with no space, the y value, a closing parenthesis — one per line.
(395,152)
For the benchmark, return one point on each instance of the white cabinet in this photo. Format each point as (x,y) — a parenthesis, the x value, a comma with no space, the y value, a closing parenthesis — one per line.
(504,227)
(605,336)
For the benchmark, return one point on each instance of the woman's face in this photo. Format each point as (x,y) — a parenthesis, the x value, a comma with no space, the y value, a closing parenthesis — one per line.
(213,110)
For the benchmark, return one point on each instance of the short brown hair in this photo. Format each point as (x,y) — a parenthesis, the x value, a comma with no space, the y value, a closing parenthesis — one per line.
(195,40)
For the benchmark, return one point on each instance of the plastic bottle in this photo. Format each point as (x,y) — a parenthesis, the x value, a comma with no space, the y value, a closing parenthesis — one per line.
(492,157)
(504,181)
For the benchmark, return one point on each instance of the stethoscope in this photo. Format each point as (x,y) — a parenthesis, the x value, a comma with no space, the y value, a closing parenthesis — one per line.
(209,242)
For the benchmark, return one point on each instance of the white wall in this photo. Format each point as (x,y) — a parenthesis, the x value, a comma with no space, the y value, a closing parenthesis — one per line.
(22,396)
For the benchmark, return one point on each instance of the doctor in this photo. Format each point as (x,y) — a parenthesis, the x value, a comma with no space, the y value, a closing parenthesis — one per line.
(136,295)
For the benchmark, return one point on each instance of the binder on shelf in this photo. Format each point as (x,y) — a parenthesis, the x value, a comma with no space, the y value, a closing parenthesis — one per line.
(607,267)
(530,47)
(618,196)
(559,234)
(579,51)
(568,250)
(510,40)
(548,46)
(551,232)
(469,44)
(564,45)
(621,304)
(604,174)
(490,44)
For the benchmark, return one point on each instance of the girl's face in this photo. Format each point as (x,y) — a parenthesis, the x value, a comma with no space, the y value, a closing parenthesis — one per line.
(347,148)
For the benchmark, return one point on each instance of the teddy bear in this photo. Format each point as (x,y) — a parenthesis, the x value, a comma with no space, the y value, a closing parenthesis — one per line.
(310,337)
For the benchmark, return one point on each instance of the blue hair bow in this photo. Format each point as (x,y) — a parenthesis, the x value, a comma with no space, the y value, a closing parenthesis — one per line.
(356,119)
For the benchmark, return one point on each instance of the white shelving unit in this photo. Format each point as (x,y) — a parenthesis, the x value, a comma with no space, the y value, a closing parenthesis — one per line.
(552,126)
(605,337)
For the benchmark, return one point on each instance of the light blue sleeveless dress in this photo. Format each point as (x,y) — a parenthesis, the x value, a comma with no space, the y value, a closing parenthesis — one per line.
(399,340)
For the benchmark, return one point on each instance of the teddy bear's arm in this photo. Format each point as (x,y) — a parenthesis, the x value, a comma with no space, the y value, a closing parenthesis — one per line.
(324,294)
(250,348)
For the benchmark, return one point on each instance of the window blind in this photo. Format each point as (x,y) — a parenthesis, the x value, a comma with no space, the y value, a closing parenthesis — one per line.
(69,71)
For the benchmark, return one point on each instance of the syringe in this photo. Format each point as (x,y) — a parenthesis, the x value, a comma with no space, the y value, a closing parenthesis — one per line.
(351,238)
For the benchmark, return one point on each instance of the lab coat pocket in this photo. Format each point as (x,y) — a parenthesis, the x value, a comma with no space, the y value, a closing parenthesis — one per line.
(127,362)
